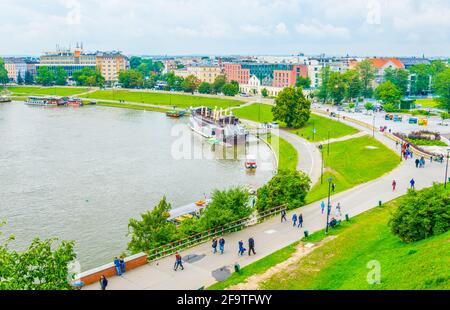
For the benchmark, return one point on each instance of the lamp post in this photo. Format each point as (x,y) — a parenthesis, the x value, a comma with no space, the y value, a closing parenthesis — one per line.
(328,148)
(373,126)
(321,166)
(446,169)
(329,205)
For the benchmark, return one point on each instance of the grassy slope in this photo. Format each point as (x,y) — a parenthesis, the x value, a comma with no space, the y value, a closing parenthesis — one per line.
(427,103)
(131,106)
(263,113)
(351,163)
(58,91)
(259,266)
(287,155)
(342,262)
(184,101)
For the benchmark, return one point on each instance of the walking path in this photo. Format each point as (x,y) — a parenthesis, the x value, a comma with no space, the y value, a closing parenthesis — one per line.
(206,268)
(348,137)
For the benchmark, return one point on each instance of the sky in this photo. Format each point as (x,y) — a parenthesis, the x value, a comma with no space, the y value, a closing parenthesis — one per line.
(228,27)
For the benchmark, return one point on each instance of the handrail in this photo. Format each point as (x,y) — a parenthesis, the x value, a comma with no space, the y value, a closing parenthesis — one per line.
(172,247)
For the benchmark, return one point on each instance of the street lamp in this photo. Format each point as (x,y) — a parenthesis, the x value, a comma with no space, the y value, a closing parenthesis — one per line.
(329,205)
(373,126)
(328,148)
(446,169)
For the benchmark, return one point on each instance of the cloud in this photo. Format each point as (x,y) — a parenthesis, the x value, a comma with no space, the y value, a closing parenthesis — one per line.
(319,31)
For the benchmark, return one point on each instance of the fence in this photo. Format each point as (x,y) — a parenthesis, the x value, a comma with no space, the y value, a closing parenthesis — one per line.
(171,248)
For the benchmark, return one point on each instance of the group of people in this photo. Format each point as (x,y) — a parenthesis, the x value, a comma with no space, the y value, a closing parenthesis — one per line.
(420,163)
(338,209)
(412,183)
(119,263)
(406,152)
(251,247)
(221,244)
(295,218)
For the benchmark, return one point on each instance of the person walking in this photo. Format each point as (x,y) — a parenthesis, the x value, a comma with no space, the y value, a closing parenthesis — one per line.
(322,206)
(221,245)
(283,215)
(214,245)
(394,185)
(117,265)
(412,182)
(103,282)
(178,262)
(333,187)
(122,264)
(396,144)
(417,161)
(251,246)
(422,162)
(300,220)
(241,248)
(294,219)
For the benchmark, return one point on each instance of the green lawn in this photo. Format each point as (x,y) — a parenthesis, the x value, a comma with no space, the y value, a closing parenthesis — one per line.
(131,106)
(39,91)
(263,113)
(352,162)
(342,263)
(427,103)
(167,99)
(256,112)
(259,266)
(287,155)
(427,142)
(324,126)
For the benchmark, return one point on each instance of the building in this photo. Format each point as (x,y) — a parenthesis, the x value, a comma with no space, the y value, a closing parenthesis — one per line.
(380,64)
(110,64)
(205,73)
(235,72)
(411,61)
(15,66)
(286,78)
(69,60)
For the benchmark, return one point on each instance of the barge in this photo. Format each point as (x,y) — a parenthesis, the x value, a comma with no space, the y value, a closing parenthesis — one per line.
(214,124)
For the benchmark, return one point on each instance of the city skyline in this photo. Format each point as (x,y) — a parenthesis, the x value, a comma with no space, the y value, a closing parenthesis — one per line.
(256,27)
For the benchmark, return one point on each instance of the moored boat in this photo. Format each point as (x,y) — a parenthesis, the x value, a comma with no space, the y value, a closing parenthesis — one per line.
(45,101)
(5,99)
(175,113)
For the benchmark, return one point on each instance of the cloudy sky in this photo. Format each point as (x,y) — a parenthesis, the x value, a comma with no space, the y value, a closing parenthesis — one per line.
(282,27)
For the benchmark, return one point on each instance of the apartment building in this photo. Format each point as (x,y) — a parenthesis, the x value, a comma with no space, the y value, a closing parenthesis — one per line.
(110,64)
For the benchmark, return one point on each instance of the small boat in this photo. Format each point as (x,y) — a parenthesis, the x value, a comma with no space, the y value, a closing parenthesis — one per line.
(250,163)
(5,99)
(175,113)
(74,102)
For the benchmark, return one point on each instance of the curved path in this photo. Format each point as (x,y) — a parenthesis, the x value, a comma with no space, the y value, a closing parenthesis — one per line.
(272,235)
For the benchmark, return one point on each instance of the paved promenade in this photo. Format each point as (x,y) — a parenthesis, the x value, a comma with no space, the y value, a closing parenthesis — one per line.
(272,235)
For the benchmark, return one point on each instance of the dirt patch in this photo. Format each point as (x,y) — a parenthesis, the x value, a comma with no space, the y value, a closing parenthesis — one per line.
(303,249)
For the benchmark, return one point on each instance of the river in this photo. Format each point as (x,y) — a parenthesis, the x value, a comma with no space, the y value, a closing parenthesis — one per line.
(81,173)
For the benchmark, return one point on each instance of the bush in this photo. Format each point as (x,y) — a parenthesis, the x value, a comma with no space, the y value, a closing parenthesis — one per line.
(288,187)
(226,206)
(422,214)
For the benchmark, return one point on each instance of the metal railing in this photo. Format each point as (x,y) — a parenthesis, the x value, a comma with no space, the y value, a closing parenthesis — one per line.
(195,239)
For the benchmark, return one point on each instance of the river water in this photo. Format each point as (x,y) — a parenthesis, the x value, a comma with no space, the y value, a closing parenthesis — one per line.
(81,173)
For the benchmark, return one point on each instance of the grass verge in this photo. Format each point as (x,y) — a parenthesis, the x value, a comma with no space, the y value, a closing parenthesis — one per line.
(40,91)
(170,100)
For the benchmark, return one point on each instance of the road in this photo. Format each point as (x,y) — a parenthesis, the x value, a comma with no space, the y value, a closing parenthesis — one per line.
(270,236)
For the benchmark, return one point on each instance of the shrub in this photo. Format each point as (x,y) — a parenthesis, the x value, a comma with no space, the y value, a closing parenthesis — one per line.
(422,214)
(288,187)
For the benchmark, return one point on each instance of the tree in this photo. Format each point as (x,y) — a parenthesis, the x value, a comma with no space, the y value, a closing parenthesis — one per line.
(88,77)
(288,188)
(230,89)
(3,73)
(204,88)
(442,88)
(190,84)
(131,78)
(291,107)
(153,229)
(303,82)
(150,82)
(398,77)
(135,61)
(29,78)
(264,92)
(45,76)
(388,93)
(369,106)
(422,214)
(218,84)
(225,207)
(421,81)
(366,71)
(43,265)
(336,87)
(354,84)
(173,82)
(322,94)
(19,79)
(444,116)
(61,76)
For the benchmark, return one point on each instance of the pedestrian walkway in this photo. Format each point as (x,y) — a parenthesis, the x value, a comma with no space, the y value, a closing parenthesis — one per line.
(269,236)
(344,138)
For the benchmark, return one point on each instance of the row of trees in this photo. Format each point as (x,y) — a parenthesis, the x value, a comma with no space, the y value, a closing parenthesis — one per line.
(3,73)
(288,188)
